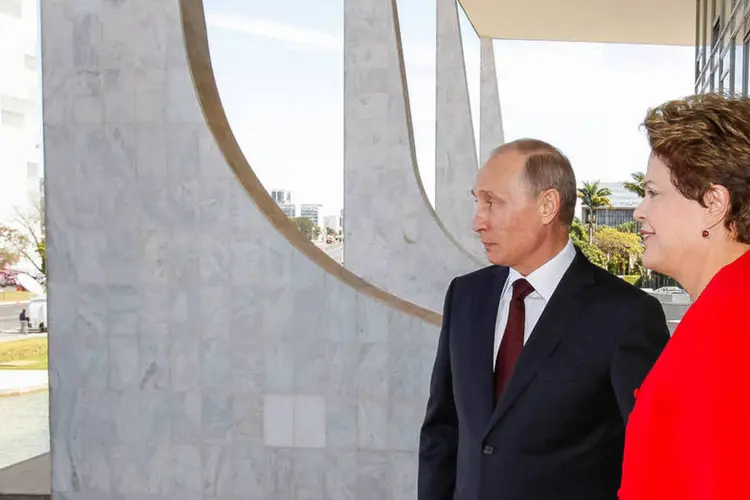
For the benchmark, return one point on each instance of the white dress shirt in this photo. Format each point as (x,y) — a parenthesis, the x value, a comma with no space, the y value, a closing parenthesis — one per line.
(545,281)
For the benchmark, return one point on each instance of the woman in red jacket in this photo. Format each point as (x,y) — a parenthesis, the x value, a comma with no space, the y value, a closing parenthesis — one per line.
(688,437)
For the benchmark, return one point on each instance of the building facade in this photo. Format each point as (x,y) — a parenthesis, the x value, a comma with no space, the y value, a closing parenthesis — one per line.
(623,205)
(311,212)
(282,196)
(289,209)
(722,39)
(21,167)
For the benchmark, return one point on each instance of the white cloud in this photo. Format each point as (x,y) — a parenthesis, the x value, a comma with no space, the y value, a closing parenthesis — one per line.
(415,53)
(268,28)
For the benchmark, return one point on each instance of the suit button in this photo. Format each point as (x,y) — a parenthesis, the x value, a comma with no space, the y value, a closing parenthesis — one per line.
(488,449)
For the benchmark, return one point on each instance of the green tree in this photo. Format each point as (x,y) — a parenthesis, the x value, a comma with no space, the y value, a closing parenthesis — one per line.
(628,227)
(305,226)
(330,231)
(26,237)
(577,231)
(623,251)
(595,255)
(637,185)
(578,236)
(594,196)
(8,256)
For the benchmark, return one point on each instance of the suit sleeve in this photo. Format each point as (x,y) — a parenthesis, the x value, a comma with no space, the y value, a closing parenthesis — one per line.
(637,350)
(438,441)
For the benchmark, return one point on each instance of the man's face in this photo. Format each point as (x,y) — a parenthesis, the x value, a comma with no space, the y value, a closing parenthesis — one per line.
(508,220)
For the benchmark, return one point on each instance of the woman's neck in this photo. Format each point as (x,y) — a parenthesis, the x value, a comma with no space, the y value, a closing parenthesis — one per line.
(698,278)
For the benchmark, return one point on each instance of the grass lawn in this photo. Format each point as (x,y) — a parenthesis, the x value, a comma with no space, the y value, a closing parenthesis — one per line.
(13,295)
(32,353)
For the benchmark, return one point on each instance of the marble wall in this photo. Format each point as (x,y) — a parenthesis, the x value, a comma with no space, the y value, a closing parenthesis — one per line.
(393,237)
(455,147)
(491,134)
(197,349)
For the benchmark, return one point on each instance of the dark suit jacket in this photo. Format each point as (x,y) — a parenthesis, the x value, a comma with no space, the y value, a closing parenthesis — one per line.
(558,431)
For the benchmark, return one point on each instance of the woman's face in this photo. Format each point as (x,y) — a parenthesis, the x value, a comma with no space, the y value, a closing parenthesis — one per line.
(671,225)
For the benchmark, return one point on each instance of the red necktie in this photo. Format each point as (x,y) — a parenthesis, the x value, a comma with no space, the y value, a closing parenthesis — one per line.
(512,343)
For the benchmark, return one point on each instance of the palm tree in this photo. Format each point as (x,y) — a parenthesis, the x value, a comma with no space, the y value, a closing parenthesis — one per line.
(594,197)
(638,185)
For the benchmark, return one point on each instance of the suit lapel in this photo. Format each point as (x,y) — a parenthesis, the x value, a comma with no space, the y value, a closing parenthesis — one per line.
(562,308)
(481,360)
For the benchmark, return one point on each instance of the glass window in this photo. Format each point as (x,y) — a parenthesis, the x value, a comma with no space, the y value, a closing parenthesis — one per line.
(745,61)
(715,31)
(726,61)
(698,35)
(11,8)
(30,62)
(707,23)
(32,170)
(738,59)
(11,118)
(728,4)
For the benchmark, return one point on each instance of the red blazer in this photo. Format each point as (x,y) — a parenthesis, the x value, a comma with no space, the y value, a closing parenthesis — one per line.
(688,437)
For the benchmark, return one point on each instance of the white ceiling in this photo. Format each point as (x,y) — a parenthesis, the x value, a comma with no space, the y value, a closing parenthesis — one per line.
(651,22)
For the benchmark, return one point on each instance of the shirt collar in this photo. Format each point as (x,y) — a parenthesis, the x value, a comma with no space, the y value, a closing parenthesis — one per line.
(546,278)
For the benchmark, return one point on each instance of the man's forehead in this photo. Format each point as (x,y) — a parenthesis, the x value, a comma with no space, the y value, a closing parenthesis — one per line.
(502,167)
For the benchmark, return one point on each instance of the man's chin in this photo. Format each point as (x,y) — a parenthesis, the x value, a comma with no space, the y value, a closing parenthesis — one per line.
(495,257)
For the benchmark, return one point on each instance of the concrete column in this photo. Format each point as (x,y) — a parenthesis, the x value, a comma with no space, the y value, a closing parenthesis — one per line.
(455,147)
(200,347)
(392,236)
(491,133)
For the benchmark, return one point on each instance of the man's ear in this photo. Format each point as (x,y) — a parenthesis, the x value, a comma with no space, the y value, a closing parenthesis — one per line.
(549,205)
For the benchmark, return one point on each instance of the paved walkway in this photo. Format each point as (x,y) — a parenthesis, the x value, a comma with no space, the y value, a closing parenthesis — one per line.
(7,336)
(14,382)
(12,302)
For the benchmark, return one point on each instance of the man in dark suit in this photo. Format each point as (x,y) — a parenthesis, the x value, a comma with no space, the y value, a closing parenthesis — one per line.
(540,355)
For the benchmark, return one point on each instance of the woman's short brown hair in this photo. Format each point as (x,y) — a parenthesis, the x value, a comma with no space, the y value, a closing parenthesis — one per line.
(705,140)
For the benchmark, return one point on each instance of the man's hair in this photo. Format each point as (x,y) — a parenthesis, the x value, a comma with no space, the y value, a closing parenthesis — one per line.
(547,168)
(704,140)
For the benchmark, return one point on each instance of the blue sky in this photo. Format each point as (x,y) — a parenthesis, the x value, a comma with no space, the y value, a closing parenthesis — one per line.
(279,70)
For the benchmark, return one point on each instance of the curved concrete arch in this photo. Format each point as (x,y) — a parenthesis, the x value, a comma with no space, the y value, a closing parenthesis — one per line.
(455,147)
(393,238)
(203,77)
(200,348)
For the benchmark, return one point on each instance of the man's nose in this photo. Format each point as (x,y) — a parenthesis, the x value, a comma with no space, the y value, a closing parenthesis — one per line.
(480,221)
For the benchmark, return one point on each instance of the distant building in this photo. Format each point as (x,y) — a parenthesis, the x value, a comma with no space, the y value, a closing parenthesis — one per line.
(623,203)
(289,210)
(282,196)
(311,212)
(332,222)
(21,166)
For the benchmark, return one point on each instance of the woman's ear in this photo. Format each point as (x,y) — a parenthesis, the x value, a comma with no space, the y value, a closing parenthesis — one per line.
(718,202)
